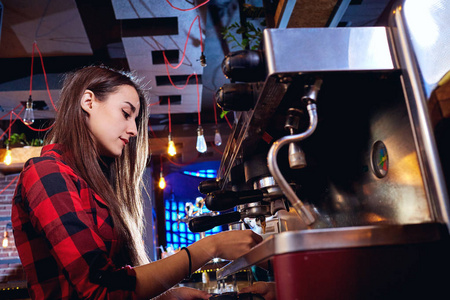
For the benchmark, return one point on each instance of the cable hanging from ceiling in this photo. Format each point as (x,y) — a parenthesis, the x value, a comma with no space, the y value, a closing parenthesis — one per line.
(162,181)
(171,150)
(28,118)
(202,56)
(217,136)
(201,142)
(187,9)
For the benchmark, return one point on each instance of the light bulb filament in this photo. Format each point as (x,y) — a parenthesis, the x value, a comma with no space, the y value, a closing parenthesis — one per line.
(8,158)
(162,182)
(171,147)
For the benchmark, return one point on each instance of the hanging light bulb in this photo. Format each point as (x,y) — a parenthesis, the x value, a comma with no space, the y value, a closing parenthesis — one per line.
(8,159)
(5,240)
(171,147)
(29,112)
(162,181)
(201,142)
(217,138)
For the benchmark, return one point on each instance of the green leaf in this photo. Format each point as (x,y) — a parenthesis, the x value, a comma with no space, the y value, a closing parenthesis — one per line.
(223,113)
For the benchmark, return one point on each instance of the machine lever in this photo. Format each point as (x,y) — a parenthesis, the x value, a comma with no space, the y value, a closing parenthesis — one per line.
(204,223)
(223,200)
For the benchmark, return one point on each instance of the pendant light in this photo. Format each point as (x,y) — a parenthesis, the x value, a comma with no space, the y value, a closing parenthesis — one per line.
(201,142)
(162,181)
(217,136)
(28,118)
(8,158)
(171,150)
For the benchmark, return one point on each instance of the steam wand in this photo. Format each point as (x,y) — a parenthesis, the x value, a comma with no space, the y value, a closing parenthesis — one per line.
(296,203)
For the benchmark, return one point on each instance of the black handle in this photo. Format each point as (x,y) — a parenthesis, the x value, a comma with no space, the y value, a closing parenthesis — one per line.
(223,200)
(201,224)
(208,186)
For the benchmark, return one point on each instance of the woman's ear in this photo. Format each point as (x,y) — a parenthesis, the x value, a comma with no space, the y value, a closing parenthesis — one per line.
(87,100)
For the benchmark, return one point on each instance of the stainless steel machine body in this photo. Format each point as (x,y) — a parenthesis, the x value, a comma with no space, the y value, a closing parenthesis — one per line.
(374,177)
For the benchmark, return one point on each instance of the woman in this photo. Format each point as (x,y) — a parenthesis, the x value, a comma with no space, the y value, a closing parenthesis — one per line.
(77,210)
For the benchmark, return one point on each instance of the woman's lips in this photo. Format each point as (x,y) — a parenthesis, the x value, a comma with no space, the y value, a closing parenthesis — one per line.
(124,141)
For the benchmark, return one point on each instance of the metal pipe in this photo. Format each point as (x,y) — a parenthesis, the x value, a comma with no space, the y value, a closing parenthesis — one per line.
(296,203)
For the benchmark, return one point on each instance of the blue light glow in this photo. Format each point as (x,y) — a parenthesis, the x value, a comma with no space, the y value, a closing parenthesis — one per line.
(208,173)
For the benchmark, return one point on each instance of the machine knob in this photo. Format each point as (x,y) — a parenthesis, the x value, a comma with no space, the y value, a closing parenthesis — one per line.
(223,200)
(205,223)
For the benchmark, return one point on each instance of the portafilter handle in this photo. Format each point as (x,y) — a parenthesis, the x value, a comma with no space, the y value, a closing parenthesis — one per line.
(205,223)
(224,200)
(208,186)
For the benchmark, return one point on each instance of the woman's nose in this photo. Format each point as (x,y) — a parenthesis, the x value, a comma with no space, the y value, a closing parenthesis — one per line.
(132,129)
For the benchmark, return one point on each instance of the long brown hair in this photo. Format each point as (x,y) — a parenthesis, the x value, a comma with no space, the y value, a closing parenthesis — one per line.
(121,186)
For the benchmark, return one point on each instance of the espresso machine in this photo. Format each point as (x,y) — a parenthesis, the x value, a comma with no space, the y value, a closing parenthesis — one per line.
(338,146)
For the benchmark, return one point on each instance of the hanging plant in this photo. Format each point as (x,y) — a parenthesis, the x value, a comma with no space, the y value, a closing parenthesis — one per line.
(17,139)
(251,35)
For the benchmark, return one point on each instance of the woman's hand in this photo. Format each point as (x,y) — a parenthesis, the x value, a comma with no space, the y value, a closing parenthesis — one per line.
(235,243)
(265,289)
(183,293)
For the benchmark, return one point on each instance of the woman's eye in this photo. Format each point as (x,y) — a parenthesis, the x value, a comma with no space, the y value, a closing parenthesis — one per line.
(125,114)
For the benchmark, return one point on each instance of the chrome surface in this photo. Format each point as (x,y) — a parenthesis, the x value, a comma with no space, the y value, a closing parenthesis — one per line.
(290,194)
(428,33)
(264,182)
(424,60)
(334,238)
(327,49)
(338,181)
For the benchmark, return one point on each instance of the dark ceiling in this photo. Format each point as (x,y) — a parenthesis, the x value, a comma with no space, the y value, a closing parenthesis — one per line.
(131,34)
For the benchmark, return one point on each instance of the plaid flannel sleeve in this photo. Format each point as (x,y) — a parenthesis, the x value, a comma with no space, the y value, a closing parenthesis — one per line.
(59,209)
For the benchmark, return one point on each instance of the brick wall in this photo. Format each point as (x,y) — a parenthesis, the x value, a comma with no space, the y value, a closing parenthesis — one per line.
(10,266)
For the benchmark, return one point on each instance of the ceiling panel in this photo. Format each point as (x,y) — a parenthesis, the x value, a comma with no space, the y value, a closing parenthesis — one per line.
(139,50)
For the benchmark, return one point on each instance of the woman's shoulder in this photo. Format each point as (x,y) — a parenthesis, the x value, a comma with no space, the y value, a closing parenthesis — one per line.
(45,162)
(51,161)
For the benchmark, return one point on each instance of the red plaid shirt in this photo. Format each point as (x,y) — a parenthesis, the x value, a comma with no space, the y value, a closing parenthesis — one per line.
(64,234)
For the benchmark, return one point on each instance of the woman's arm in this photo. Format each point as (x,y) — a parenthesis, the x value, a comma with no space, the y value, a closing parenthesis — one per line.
(156,277)
(59,213)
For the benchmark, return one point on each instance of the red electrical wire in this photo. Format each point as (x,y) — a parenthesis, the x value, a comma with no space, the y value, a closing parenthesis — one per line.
(173,84)
(155,138)
(170,120)
(45,129)
(31,89)
(151,104)
(15,178)
(185,44)
(180,88)
(10,123)
(45,75)
(226,118)
(32,68)
(215,148)
(20,104)
(198,100)
(187,9)
(185,164)
(215,112)
(151,129)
